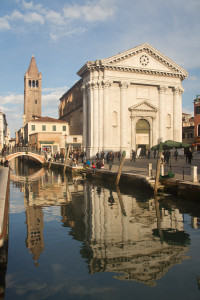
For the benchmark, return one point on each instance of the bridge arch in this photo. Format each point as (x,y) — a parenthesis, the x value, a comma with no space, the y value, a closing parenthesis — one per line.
(38,157)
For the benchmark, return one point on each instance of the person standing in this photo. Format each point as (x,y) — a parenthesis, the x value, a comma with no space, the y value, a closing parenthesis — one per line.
(110,159)
(176,154)
(133,155)
(189,156)
(102,156)
(93,168)
(119,155)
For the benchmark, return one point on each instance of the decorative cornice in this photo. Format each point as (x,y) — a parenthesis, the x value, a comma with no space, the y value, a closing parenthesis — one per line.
(108,64)
(137,107)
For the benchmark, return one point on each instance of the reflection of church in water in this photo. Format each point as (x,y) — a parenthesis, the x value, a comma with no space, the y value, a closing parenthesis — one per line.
(119,233)
(122,235)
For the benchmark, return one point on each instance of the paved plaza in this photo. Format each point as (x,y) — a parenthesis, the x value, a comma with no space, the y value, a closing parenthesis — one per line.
(179,167)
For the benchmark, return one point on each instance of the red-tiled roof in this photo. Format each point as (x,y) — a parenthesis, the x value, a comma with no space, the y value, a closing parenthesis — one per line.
(48,119)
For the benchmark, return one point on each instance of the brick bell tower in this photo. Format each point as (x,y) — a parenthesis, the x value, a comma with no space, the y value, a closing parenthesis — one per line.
(32,92)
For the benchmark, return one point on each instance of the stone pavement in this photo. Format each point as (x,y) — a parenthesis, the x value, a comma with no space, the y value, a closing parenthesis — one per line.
(180,168)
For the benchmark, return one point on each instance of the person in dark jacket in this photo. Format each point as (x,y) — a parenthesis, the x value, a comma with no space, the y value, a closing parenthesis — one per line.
(110,159)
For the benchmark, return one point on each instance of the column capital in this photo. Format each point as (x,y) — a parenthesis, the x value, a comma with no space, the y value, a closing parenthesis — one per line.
(95,85)
(106,83)
(162,88)
(101,84)
(89,85)
(123,85)
(83,88)
(177,90)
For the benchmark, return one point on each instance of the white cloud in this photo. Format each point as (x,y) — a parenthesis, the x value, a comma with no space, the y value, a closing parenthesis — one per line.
(66,32)
(91,11)
(27,18)
(11,98)
(59,23)
(34,7)
(27,5)
(34,17)
(4,24)
(52,95)
(55,17)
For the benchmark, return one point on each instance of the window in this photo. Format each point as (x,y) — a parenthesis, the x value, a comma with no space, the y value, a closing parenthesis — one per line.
(29,83)
(33,127)
(33,83)
(198,129)
(43,127)
(54,127)
(75,140)
(37,83)
(197,110)
(35,101)
(183,135)
(190,135)
(64,128)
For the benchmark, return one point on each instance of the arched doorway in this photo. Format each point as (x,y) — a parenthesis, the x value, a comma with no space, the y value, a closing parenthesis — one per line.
(143,135)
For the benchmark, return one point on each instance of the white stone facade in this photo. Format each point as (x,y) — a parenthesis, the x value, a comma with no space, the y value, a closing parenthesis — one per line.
(131,100)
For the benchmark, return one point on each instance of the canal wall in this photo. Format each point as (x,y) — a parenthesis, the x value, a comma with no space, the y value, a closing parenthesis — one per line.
(4,195)
(184,189)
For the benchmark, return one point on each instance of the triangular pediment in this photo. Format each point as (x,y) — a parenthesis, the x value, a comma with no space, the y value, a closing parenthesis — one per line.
(144,57)
(144,106)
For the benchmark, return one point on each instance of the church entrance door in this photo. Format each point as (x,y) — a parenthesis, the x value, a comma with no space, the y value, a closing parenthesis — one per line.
(143,135)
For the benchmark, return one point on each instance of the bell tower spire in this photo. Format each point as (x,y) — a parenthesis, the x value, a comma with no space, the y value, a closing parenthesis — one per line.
(32,92)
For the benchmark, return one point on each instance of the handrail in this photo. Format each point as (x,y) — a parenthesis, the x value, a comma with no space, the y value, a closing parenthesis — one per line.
(23,149)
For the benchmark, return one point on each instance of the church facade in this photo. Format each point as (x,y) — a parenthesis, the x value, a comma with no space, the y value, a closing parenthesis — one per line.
(131,100)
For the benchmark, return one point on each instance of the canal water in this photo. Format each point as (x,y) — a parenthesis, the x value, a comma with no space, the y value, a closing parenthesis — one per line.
(75,239)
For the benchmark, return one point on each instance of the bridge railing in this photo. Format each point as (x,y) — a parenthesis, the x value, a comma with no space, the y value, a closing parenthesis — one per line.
(23,149)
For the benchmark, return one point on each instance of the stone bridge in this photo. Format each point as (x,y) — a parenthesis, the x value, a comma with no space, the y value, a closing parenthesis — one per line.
(24,152)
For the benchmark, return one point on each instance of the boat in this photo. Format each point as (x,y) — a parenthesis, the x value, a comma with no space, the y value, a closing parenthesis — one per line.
(167,176)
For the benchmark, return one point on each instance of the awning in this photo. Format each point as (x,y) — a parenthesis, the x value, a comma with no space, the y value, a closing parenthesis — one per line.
(46,142)
(169,144)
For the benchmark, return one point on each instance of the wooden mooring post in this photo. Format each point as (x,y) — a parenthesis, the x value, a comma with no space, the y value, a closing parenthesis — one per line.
(121,201)
(158,168)
(66,159)
(120,167)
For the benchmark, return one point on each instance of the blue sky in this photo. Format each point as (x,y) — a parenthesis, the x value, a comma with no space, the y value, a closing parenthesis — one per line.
(64,34)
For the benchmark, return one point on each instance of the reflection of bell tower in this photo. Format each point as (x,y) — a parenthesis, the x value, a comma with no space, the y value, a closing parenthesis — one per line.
(32,92)
(34,241)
